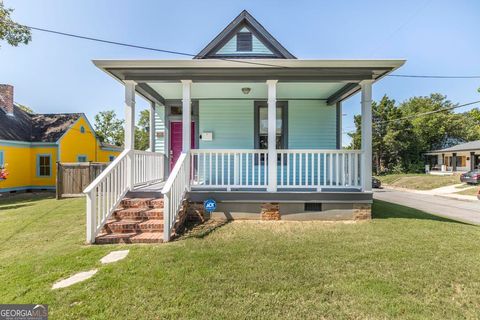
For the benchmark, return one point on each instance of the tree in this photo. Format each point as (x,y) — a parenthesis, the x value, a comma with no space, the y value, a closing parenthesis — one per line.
(11,31)
(142,137)
(109,129)
(401,134)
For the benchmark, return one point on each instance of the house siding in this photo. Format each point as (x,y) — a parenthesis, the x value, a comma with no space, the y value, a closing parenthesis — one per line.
(160,129)
(257,47)
(230,121)
(311,125)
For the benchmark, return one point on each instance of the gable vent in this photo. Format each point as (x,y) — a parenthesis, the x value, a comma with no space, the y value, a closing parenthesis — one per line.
(244,41)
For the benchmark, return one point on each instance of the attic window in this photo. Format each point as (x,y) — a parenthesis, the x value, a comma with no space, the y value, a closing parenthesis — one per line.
(244,41)
(82,129)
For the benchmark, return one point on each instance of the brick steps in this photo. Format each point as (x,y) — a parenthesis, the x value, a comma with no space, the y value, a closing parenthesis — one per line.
(136,220)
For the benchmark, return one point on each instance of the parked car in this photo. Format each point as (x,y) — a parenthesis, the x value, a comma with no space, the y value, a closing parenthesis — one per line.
(478,194)
(471,177)
(376,183)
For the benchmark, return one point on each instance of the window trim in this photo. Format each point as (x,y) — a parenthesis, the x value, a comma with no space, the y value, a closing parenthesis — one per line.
(2,157)
(49,155)
(82,155)
(256,122)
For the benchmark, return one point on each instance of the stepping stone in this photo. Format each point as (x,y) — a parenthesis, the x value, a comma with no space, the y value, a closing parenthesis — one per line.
(76,278)
(114,256)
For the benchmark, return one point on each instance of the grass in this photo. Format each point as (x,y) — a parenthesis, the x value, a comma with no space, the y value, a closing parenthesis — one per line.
(469,191)
(404,264)
(418,181)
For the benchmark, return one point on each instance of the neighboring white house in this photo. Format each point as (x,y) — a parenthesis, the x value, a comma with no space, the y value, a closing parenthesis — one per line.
(460,158)
(248,124)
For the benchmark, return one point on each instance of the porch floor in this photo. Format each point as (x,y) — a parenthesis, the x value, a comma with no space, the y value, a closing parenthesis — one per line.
(332,195)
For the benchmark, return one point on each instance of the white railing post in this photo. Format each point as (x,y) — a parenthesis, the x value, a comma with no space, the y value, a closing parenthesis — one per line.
(166,217)
(272,135)
(130,130)
(91,216)
(366,172)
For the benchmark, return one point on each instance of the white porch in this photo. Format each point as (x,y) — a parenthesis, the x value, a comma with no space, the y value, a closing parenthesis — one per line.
(276,173)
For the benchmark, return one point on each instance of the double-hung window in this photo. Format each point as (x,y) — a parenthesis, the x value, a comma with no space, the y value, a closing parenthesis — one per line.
(44,165)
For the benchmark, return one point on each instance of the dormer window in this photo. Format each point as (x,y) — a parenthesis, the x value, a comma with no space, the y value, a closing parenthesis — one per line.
(244,41)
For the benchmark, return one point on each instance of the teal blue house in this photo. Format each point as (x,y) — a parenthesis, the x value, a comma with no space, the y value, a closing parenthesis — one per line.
(246,123)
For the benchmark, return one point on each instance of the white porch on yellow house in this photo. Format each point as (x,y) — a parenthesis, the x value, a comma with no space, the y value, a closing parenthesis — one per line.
(322,174)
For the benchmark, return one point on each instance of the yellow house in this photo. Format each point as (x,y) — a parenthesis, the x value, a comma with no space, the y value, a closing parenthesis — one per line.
(31,144)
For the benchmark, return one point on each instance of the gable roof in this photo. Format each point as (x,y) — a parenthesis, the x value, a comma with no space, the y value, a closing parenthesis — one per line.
(472,145)
(28,127)
(244,20)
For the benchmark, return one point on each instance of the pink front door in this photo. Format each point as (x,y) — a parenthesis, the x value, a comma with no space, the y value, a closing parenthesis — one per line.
(176,140)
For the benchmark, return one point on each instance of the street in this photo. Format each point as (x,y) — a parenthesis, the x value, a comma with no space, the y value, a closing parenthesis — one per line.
(466,211)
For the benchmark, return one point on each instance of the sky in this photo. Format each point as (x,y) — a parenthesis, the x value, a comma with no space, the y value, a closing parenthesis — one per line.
(55,73)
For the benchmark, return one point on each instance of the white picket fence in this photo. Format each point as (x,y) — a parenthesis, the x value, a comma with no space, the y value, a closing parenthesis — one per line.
(108,189)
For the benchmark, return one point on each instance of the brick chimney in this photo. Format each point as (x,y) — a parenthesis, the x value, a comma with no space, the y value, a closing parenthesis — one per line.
(6,98)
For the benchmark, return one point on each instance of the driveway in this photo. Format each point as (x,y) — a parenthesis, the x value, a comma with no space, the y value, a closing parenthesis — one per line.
(466,211)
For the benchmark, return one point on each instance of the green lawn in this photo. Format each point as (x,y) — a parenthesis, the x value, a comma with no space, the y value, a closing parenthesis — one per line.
(418,181)
(404,264)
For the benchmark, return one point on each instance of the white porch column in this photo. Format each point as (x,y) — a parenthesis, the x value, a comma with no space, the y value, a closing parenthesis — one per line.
(152,127)
(272,135)
(366,167)
(186,115)
(130,129)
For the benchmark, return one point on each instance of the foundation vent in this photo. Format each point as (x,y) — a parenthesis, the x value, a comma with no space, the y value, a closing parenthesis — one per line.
(313,206)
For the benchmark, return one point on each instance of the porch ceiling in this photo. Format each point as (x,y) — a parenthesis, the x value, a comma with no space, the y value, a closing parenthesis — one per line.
(340,78)
(258,91)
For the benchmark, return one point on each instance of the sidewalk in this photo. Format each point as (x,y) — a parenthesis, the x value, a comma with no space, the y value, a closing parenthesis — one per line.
(447,192)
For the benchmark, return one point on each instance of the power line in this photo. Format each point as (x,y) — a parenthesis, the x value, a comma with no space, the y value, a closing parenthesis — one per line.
(427,113)
(432,76)
(417,115)
(124,44)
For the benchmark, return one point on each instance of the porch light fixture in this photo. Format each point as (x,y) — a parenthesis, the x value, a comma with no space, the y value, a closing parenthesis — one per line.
(246,90)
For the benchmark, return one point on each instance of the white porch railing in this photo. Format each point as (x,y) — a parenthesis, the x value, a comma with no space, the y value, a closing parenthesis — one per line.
(229,168)
(174,191)
(148,167)
(295,169)
(319,168)
(108,189)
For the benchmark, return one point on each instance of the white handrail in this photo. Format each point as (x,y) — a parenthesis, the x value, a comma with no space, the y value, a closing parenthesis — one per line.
(106,192)
(176,186)
(105,172)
